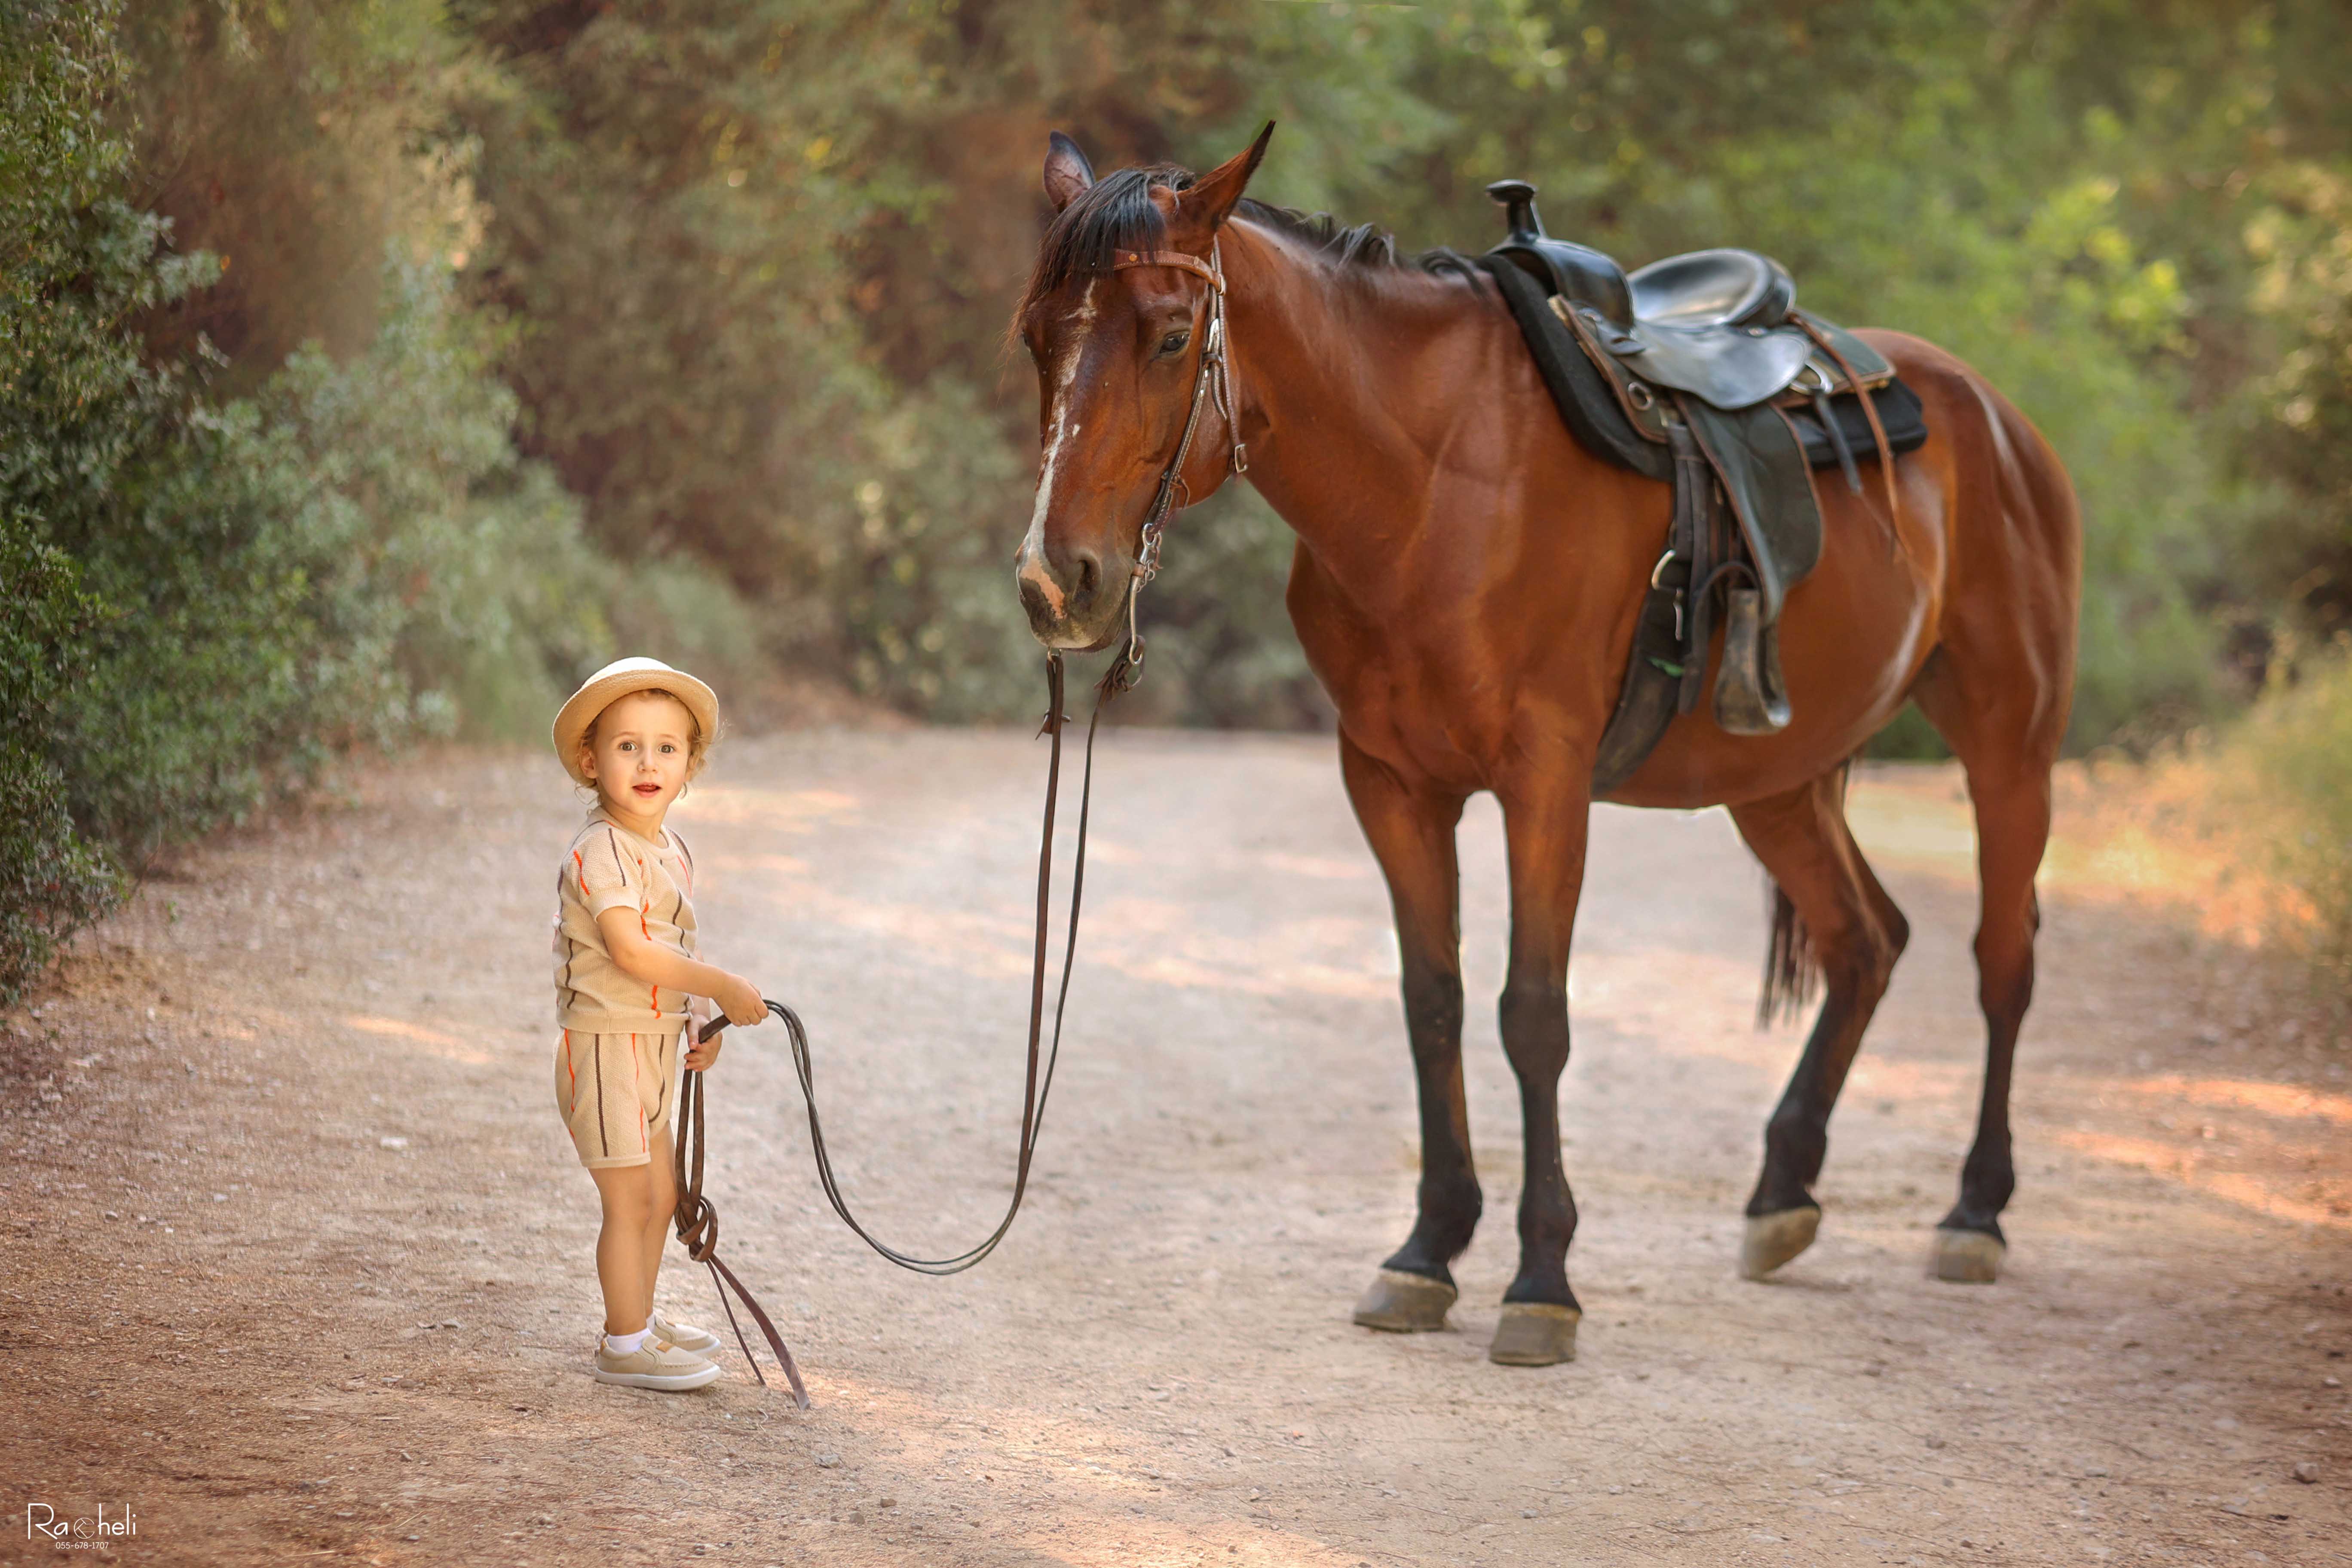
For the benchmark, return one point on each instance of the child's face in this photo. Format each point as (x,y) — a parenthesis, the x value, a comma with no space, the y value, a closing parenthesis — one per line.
(640,753)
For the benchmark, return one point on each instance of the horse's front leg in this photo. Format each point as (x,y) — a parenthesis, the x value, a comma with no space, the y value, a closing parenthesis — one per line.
(1546,835)
(1411,829)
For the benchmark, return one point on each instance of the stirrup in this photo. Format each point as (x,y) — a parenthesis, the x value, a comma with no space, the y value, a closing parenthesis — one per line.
(1750,698)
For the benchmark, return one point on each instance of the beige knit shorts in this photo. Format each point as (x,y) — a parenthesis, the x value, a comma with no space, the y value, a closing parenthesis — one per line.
(615,1093)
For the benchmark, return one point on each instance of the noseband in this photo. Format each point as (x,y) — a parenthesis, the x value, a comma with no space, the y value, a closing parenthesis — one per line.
(1212,383)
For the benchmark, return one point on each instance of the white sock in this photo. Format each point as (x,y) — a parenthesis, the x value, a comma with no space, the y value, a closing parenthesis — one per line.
(627,1344)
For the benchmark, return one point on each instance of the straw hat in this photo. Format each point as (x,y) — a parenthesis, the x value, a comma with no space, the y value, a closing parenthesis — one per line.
(617,680)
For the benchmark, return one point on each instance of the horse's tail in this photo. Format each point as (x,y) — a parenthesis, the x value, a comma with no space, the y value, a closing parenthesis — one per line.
(1792,968)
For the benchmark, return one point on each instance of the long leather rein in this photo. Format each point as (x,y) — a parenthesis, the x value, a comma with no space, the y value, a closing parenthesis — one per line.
(696,1217)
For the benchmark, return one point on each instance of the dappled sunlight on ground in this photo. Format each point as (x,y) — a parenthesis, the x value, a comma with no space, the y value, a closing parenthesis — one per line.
(779,810)
(2171,1161)
(1084,1493)
(2284,1099)
(297,1125)
(434,1042)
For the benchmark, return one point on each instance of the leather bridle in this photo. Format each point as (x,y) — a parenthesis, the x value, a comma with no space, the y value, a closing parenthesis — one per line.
(695,1218)
(1211,383)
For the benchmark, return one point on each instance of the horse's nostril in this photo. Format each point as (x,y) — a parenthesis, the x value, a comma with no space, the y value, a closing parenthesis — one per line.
(1089,572)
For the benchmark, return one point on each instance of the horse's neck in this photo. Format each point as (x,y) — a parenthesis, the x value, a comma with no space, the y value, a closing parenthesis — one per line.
(1350,395)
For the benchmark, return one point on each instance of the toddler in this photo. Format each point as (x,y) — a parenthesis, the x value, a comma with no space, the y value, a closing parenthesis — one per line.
(627,982)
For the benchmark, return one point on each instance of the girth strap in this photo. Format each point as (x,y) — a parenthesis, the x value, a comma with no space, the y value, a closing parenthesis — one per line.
(1665,652)
(1692,538)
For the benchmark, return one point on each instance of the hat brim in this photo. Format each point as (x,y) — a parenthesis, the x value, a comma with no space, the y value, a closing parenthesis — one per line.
(609,685)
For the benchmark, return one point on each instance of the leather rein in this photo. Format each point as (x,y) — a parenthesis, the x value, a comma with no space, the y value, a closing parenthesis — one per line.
(697,1218)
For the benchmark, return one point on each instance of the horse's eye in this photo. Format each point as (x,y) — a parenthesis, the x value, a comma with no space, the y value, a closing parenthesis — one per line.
(1174,342)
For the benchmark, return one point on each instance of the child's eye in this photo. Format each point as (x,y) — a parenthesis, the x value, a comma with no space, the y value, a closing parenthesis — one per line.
(668,747)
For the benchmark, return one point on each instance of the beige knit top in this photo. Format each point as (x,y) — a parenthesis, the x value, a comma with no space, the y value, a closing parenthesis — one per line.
(610,868)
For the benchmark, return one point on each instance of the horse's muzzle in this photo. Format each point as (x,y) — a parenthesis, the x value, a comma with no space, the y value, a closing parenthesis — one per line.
(1075,605)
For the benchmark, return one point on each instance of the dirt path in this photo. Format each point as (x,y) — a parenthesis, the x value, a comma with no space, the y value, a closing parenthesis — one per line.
(300,1262)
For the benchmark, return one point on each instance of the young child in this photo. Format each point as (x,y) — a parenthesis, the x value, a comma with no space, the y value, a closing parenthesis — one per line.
(625,973)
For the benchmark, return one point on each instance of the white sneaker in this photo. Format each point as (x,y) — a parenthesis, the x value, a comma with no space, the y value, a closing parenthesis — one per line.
(655,1365)
(685,1336)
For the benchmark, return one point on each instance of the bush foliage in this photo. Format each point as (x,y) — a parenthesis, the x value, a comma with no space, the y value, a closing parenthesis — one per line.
(209,594)
(61,432)
(2289,760)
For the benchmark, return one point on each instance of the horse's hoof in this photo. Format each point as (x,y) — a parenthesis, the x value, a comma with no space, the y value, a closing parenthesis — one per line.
(1967,1256)
(1534,1333)
(1401,1304)
(1774,1238)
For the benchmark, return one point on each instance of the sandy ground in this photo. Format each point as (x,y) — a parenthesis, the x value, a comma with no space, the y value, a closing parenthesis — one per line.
(298,1263)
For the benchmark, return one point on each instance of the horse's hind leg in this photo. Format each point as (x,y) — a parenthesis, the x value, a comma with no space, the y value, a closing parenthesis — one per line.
(1412,834)
(2008,784)
(1855,933)
(1998,688)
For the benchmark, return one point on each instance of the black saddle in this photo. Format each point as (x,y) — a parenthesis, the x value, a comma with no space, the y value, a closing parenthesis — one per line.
(1700,370)
(1718,325)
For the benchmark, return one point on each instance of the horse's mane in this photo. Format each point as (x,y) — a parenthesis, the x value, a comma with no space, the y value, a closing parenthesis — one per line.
(1116,213)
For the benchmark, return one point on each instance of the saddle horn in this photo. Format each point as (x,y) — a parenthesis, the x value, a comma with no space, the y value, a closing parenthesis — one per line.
(1579,273)
(1517,200)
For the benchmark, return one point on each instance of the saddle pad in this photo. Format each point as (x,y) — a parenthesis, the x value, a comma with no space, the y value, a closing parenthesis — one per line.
(1899,410)
(1585,403)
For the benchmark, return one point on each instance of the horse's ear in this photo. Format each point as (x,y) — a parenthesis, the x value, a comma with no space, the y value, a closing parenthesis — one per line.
(1204,206)
(1066,171)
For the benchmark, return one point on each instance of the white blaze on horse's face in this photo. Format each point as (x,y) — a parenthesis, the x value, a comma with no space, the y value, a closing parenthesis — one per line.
(1059,429)
(1115,371)
(1070,573)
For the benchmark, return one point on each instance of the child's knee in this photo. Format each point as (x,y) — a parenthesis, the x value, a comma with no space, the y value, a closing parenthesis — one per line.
(627,1192)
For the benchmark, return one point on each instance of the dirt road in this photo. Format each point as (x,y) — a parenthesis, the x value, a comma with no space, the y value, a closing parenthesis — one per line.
(298,1265)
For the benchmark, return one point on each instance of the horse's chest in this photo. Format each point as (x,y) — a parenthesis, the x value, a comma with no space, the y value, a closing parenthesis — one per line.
(1437,714)
(1435,680)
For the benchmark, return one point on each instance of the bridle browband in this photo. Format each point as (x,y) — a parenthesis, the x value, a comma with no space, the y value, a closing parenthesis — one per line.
(1212,383)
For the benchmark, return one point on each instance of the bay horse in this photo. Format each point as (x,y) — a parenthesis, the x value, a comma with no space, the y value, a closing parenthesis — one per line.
(1466,586)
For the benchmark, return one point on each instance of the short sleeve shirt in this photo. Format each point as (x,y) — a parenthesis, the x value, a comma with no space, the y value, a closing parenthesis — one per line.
(610,868)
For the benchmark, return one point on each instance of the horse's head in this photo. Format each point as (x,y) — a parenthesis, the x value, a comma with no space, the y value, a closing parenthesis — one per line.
(1118,339)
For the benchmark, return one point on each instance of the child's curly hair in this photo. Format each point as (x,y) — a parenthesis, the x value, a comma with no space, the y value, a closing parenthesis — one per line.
(698,744)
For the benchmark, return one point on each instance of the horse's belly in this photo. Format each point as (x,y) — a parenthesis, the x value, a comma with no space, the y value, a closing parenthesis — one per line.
(1852,644)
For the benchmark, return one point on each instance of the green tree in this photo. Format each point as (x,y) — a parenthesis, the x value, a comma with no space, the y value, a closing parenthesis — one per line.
(206,595)
(757,254)
(57,355)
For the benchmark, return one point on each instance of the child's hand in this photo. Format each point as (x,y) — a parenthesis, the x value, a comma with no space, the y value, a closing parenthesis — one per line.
(741,1001)
(702,1054)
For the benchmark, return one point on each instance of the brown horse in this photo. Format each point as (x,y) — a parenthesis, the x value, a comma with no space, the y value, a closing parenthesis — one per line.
(1466,587)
